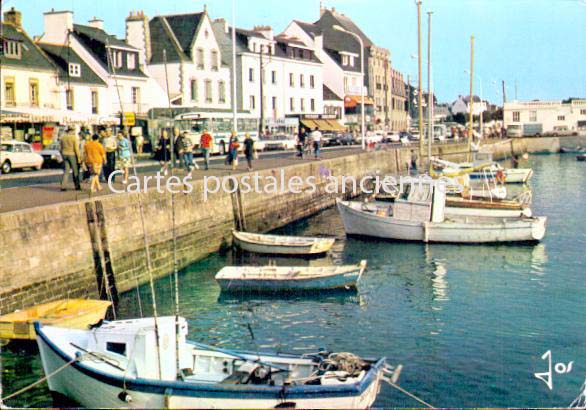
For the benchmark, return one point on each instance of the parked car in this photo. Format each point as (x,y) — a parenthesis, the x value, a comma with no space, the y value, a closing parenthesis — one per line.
(279,142)
(326,139)
(52,155)
(342,139)
(392,137)
(18,155)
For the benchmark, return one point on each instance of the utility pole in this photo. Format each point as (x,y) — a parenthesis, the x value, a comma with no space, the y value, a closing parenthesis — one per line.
(421,142)
(408,101)
(430,104)
(471,127)
(504,93)
(516,89)
(261,102)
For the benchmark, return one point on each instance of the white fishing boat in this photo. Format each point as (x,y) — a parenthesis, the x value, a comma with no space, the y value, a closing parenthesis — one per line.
(482,168)
(280,278)
(282,245)
(422,217)
(133,364)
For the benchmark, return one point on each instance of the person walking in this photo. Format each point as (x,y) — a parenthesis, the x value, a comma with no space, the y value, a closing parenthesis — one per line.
(234,146)
(205,144)
(316,137)
(124,157)
(177,146)
(84,174)
(187,152)
(139,141)
(69,145)
(249,150)
(111,146)
(301,143)
(95,157)
(163,153)
(413,163)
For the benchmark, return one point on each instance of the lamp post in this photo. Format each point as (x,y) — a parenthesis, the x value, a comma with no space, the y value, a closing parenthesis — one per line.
(419,46)
(234,86)
(363,119)
(481,102)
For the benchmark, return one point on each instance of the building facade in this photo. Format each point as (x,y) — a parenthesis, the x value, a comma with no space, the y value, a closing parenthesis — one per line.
(399,120)
(462,105)
(552,116)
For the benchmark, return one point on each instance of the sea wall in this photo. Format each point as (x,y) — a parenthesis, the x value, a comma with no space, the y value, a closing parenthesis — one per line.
(98,248)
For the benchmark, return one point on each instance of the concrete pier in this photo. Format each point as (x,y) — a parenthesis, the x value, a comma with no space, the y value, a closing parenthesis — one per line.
(92,247)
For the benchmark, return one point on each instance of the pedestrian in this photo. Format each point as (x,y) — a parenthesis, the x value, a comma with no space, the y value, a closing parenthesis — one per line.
(84,174)
(234,146)
(301,142)
(111,146)
(249,150)
(413,163)
(163,154)
(205,144)
(177,146)
(124,157)
(316,137)
(187,152)
(69,145)
(139,140)
(95,158)
(229,158)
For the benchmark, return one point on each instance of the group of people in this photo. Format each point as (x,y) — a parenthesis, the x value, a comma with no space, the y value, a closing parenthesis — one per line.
(306,141)
(184,149)
(94,157)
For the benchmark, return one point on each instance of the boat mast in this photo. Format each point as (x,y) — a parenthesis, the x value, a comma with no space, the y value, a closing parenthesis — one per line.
(430,102)
(471,126)
(174,230)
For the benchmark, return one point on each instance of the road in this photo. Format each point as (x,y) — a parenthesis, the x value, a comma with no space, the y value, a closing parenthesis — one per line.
(51,176)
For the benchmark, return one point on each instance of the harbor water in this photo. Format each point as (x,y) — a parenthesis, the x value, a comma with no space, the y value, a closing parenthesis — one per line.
(469,323)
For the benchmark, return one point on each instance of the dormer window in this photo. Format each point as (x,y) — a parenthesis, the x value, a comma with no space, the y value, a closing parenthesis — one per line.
(345,60)
(131,61)
(12,49)
(74,70)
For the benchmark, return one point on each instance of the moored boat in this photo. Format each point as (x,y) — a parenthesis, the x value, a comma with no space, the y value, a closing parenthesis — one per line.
(282,245)
(71,313)
(133,363)
(581,157)
(291,279)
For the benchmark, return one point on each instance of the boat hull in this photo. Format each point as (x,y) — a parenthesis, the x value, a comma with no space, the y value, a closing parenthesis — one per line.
(312,247)
(94,389)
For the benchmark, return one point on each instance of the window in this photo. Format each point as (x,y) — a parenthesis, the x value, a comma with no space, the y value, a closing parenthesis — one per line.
(118,348)
(251,74)
(291,80)
(345,60)
(533,116)
(292,104)
(252,102)
(352,61)
(116,59)
(312,105)
(582,112)
(302,105)
(312,81)
(69,99)
(516,116)
(274,106)
(131,61)
(193,89)
(34,92)
(200,59)
(274,77)
(9,92)
(94,101)
(346,84)
(561,117)
(12,49)
(74,70)
(135,91)
(208,85)
(302,81)
(215,62)
(222,91)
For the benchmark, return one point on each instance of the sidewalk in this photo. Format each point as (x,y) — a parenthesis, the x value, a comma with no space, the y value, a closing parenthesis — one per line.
(14,199)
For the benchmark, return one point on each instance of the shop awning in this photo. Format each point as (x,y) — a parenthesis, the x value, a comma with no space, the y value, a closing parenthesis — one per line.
(336,126)
(323,125)
(309,124)
(40,115)
(352,101)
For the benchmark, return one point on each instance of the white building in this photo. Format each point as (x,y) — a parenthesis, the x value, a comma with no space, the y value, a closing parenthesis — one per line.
(197,76)
(278,76)
(104,75)
(552,116)
(462,105)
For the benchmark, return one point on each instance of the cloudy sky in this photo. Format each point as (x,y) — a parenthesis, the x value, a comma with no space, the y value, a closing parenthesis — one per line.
(538,44)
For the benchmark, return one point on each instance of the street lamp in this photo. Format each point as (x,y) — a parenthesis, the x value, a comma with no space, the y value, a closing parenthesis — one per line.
(481,102)
(343,30)
(234,85)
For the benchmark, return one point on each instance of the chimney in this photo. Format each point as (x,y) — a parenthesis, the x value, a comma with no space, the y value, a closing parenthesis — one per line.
(223,24)
(138,35)
(96,23)
(266,31)
(322,9)
(13,17)
(57,26)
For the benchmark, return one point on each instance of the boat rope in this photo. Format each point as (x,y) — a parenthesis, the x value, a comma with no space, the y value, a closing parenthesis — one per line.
(580,401)
(405,392)
(41,380)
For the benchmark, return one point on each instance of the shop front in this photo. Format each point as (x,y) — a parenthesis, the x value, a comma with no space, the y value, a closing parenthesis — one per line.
(323,122)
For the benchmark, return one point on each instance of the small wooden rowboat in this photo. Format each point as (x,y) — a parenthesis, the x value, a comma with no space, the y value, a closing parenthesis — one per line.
(282,245)
(71,313)
(279,279)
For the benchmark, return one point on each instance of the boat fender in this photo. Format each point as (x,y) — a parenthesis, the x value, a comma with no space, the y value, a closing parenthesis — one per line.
(125,397)
(500,176)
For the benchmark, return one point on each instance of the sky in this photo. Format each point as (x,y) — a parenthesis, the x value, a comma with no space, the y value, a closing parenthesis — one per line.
(538,47)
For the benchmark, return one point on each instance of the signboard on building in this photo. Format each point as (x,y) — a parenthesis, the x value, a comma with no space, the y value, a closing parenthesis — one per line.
(129,119)
(48,134)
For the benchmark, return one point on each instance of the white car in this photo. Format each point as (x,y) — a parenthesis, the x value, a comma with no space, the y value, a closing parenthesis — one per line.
(16,154)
